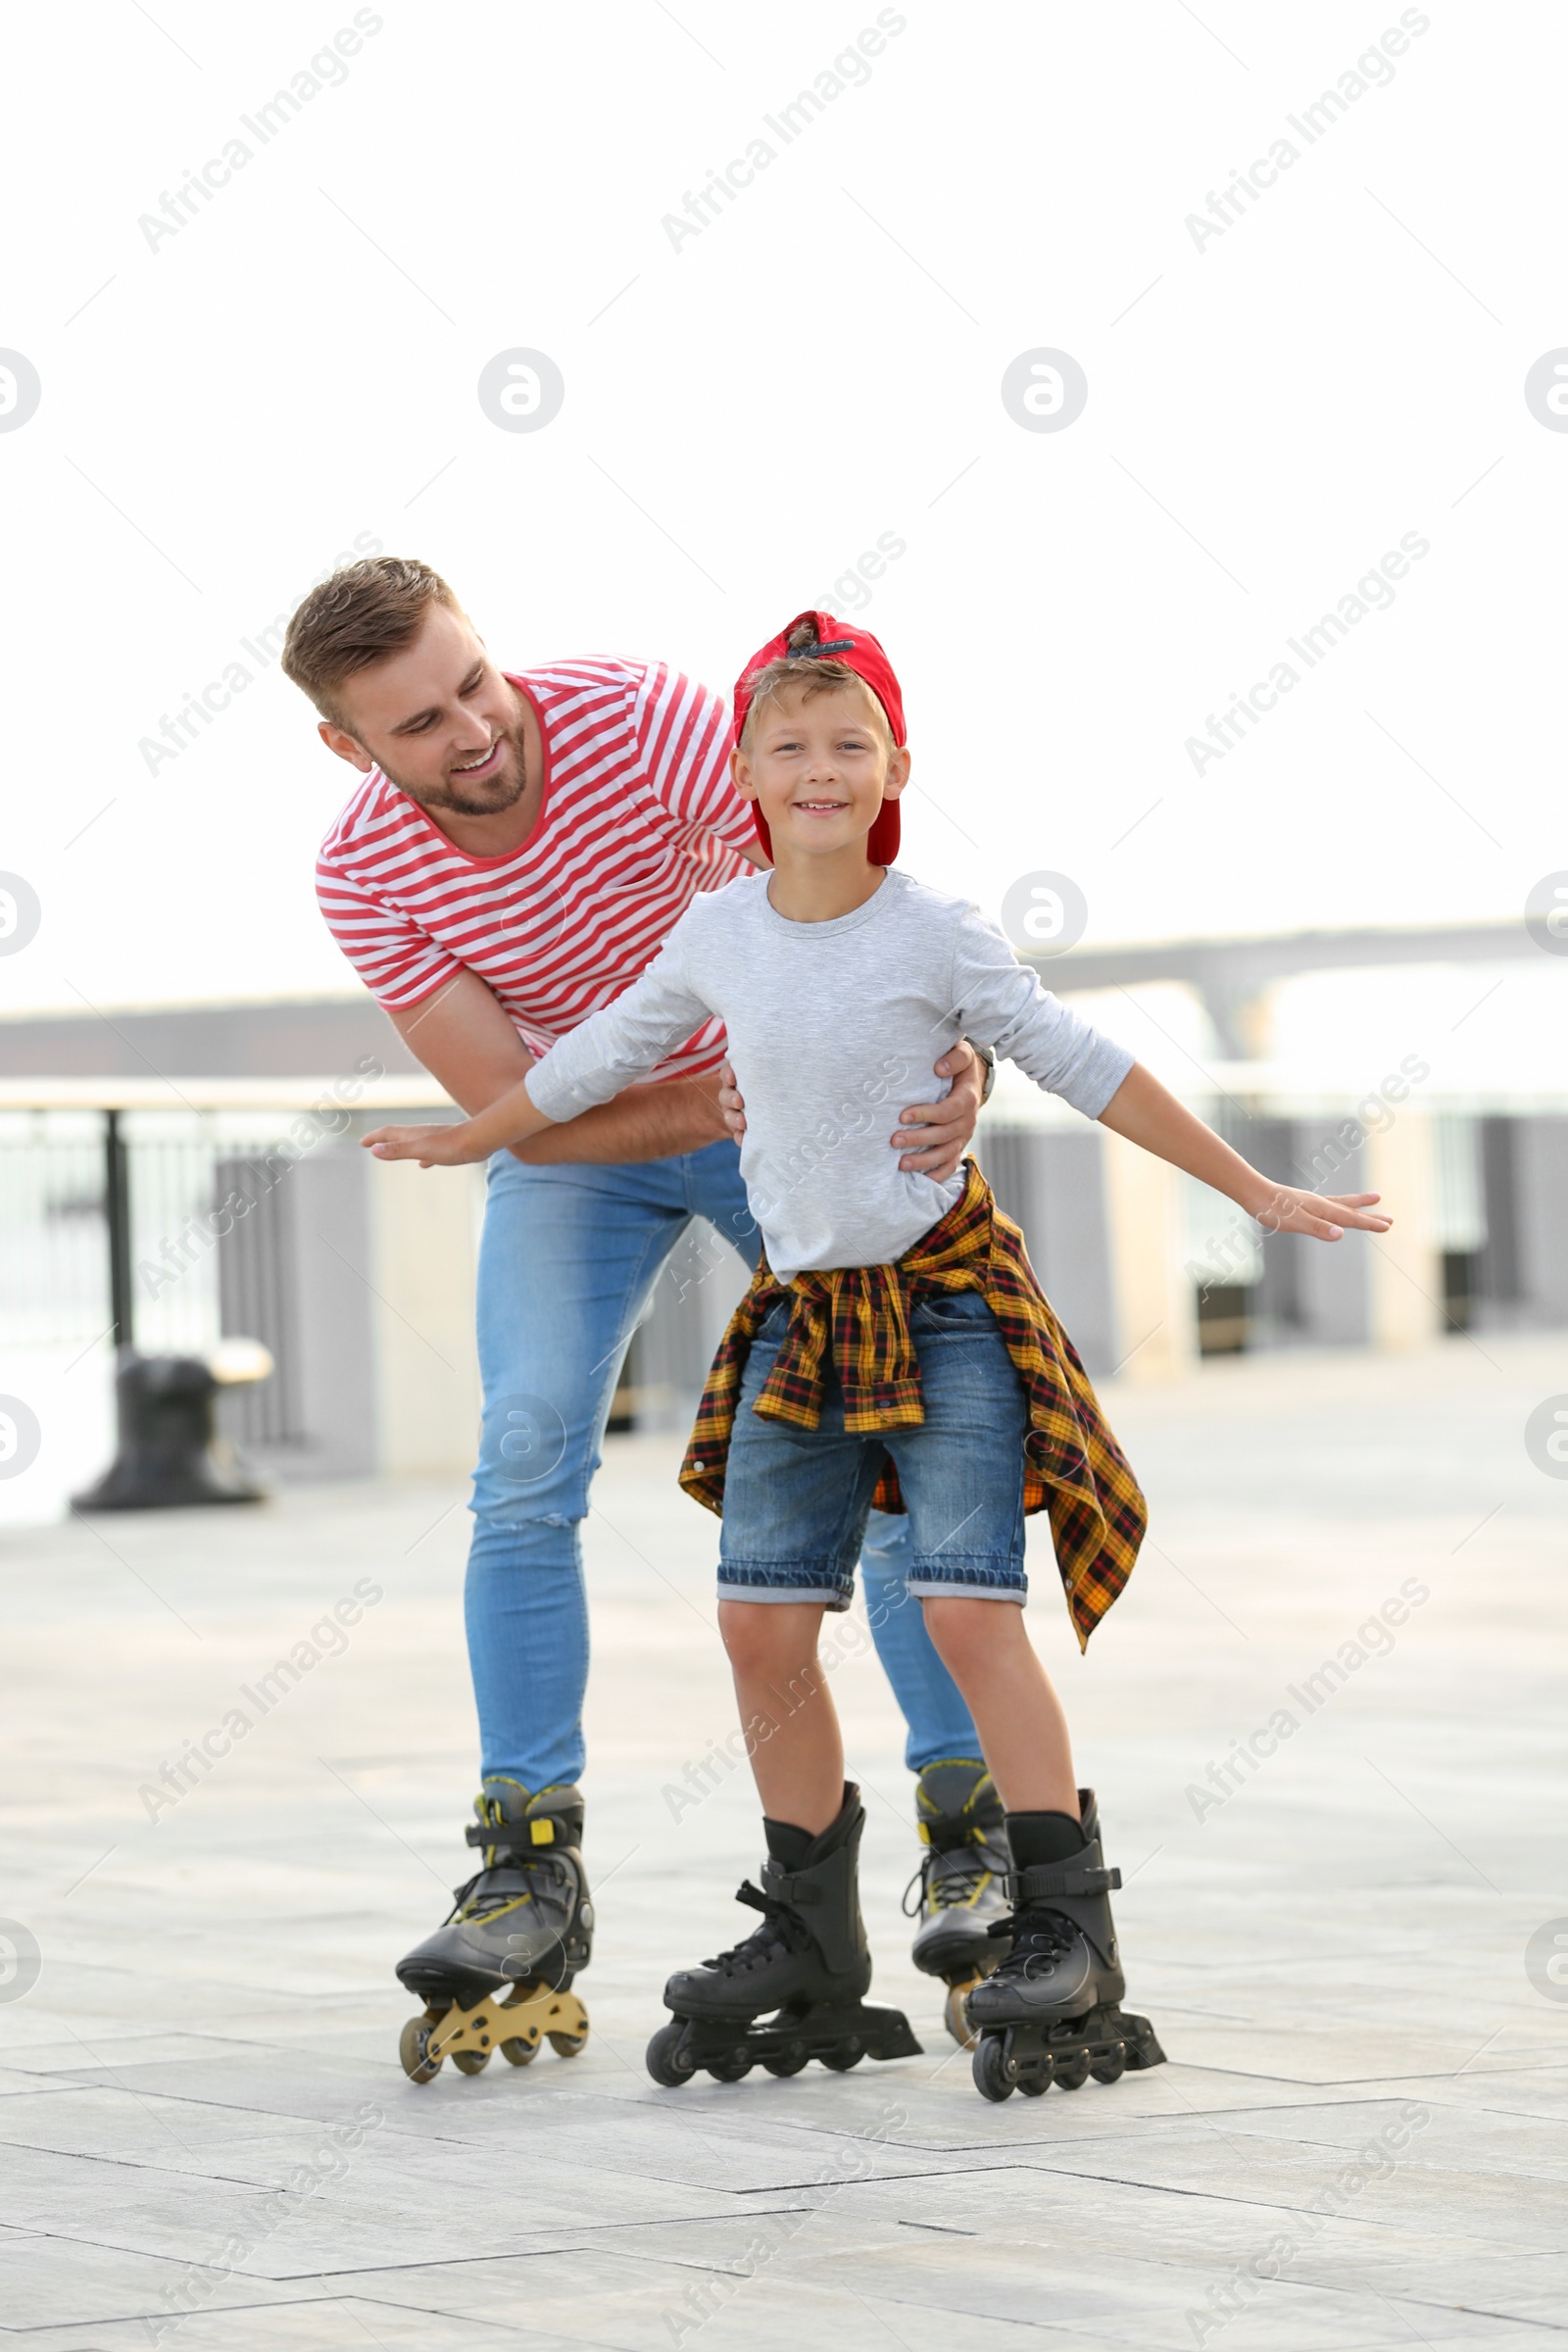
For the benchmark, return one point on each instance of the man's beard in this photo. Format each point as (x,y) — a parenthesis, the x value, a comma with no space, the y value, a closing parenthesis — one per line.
(487,797)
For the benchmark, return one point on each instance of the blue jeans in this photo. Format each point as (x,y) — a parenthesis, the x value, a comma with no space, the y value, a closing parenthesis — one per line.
(796,1500)
(567,1262)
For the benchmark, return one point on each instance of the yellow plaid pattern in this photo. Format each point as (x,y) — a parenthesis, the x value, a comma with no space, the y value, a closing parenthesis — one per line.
(854,1321)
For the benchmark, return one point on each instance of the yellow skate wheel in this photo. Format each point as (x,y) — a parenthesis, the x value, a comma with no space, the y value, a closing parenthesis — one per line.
(471,2062)
(567,2045)
(414,2047)
(955,2014)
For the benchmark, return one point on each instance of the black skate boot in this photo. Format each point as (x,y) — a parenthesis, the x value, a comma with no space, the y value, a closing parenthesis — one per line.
(963,1897)
(495,1975)
(808,1960)
(1052,2011)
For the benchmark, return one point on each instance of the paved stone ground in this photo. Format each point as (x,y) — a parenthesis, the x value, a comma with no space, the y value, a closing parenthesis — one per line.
(1334,1954)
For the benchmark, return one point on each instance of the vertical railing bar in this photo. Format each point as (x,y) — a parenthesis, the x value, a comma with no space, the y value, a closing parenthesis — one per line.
(117,1216)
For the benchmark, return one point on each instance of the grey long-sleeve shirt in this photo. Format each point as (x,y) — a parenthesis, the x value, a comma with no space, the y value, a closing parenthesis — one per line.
(833,1029)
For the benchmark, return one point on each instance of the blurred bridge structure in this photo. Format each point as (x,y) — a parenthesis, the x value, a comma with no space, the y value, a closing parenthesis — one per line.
(131,1137)
(1233,976)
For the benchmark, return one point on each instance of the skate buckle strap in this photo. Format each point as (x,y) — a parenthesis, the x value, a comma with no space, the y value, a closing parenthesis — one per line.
(1037,1884)
(956,1835)
(512,1836)
(785,1887)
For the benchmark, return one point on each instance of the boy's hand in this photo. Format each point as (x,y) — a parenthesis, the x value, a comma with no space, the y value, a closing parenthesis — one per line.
(1285,1210)
(1148,1115)
(432,1147)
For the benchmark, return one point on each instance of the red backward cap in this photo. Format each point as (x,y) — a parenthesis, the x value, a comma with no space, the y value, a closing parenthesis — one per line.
(859,651)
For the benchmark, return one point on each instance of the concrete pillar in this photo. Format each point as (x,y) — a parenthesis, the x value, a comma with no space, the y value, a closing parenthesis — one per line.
(1156,1305)
(1333,1280)
(294,1272)
(1051,1181)
(1404,1264)
(1541,1163)
(334,1314)
(423,1251)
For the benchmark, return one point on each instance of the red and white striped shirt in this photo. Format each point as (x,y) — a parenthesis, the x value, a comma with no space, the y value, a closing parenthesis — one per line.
(638,815)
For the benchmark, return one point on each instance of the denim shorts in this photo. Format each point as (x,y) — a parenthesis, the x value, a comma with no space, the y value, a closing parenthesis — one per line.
(796,1501)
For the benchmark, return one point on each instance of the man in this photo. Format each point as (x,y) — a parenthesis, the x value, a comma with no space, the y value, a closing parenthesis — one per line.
(519,848)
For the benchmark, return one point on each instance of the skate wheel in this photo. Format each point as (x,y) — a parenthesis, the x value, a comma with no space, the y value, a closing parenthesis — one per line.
(1072,2073)
(666,2059)
(567,2045)
(956,2015)
(839,2062)
(412,2043)
(996,2074)
(733,2069)
(787,2062)
(471,2062)
(518,2052)
(1112,2067)
(1034,2086)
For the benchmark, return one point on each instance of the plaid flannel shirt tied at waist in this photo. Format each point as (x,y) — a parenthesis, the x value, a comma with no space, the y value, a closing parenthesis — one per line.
(854,1321)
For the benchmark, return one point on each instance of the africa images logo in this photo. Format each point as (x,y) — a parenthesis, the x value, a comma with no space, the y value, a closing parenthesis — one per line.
(19,390)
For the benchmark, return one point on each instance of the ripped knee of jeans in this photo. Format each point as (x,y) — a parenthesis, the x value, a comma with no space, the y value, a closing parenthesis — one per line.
(506,1515)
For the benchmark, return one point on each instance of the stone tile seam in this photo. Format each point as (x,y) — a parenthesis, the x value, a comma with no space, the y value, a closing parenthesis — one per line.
(1220,2196)
(390,2270)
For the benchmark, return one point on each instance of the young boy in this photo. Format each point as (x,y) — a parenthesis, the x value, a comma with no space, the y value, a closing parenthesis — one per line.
(894,1346)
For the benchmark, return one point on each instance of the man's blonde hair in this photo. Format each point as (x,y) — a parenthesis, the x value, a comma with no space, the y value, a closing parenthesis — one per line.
(813,674)
(360,615)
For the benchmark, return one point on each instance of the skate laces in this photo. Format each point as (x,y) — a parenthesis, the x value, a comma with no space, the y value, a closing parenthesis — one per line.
(949,1878)
(780,1927)
(473,1900)
(1040,1939)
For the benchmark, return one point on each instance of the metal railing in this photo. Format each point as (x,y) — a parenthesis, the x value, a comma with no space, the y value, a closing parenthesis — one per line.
(111,1208)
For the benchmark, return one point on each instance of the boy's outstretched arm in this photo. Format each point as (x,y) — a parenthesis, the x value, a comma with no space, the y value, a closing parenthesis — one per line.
(469,1045)
(1148,1115)
(612,1049)
(511,1119)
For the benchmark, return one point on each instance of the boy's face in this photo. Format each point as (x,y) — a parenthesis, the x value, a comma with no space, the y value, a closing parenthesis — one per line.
(819,766)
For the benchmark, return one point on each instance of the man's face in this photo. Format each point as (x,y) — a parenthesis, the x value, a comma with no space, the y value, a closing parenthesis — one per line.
(819,765)
(438,719)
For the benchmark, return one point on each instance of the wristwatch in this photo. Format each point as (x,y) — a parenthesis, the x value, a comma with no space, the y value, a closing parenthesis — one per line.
(988,1054)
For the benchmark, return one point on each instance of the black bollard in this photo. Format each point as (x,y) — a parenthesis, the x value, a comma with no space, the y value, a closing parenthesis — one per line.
(166,1439)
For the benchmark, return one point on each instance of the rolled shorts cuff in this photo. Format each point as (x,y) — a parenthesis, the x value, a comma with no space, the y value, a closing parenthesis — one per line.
(978,1579)
(785,1579)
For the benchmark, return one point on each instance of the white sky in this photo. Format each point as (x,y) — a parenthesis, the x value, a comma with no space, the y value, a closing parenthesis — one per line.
(818,368)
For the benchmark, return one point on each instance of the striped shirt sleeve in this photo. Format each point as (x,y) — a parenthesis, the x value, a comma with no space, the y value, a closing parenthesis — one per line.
(400,964)
(684,734)
(622,1041)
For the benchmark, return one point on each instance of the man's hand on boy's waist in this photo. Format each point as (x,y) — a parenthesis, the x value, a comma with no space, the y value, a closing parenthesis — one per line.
(933,1137)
